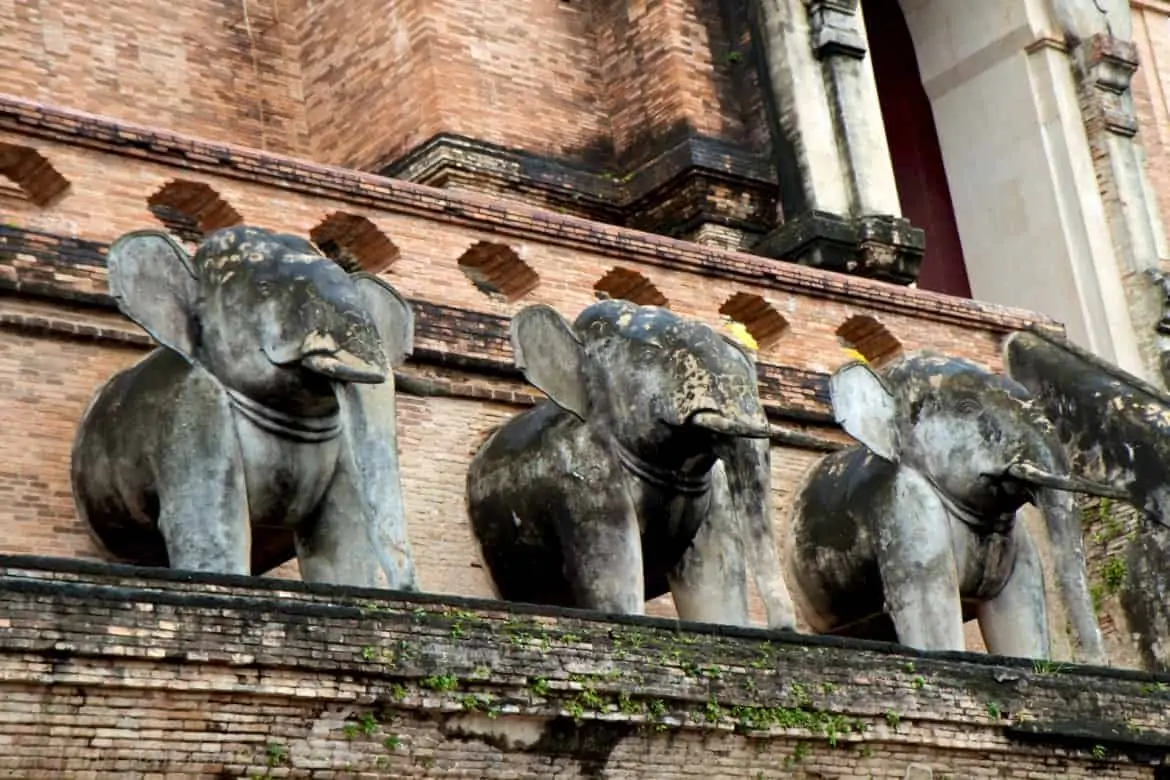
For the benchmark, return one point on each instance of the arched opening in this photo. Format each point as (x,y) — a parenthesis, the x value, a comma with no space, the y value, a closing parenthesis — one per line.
(191,209)
(497,271)
(624,284)
(923,190)
(870,338)
(26,174)
(759,318)
(354,243)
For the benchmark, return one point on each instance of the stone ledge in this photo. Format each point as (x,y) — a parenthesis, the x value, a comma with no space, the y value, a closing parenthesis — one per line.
(635,196)
(324,673)
(110,136)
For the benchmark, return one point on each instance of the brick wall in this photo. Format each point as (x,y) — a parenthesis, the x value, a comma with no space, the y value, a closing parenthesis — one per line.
(360,83)
(218,70)
(63,338)
(1151,33)
(117,672)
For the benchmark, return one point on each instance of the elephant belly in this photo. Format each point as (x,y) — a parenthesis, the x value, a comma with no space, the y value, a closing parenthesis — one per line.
(522,486)
(831,552)
(286,480)
(114,487)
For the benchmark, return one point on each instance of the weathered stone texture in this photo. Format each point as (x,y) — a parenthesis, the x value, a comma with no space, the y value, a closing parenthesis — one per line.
(113,672)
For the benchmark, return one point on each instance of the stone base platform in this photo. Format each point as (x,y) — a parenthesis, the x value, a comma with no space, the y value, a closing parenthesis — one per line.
(113,671)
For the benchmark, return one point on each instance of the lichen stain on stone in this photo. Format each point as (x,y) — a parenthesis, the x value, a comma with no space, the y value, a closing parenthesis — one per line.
(588,743)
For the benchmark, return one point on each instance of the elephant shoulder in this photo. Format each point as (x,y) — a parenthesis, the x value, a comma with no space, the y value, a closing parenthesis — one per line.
(542,427)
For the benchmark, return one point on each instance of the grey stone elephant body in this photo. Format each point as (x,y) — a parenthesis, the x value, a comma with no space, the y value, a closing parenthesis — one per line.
(647,471)
(1115,428)
(264,423)
(915,530)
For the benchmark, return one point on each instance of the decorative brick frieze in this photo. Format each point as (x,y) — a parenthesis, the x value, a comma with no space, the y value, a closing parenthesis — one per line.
(834,28)
(287,175)
(118,671)
(885,248)
(447,336)
(1108,64)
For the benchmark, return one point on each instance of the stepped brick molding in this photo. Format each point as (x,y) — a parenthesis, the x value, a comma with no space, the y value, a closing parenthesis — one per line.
(24,119)
(119,672)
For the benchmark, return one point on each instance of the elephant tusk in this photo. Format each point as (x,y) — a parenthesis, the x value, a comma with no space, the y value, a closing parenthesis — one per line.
(728,426)
(344,367)
(1034,475)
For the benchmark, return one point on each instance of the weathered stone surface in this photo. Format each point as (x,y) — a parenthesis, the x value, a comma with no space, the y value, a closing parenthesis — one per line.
(916,529)
(1116,428)
(265,418)
(123,672)
(645,472)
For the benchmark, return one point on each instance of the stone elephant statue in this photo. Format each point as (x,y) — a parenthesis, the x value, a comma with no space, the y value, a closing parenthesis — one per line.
(1115,428)
(264,424)
(913,531)
(646,471)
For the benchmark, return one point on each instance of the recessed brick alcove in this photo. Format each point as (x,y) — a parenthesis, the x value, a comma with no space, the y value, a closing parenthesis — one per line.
(114,671)
(30,174)
(191,209)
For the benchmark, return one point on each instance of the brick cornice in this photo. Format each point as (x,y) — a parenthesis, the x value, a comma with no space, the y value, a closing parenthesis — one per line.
(166,148)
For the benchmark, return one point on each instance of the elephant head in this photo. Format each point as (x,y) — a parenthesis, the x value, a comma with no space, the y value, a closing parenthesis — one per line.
(670,395)
(267,314)
(980,441)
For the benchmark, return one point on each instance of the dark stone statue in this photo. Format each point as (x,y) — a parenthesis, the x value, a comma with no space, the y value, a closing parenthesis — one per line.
(648,470)
(915,530)
(1115,428)
(265,422)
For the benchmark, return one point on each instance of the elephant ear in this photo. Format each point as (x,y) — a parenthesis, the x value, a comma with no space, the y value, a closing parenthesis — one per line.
(550,356)
(392,316)
(152,280)
(864,406)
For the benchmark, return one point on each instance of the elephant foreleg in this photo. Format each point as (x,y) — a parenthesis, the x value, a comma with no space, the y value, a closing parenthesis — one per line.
(1015,622)
(602,547)
(919,576)
(709,584)
(340,546)
(203,495)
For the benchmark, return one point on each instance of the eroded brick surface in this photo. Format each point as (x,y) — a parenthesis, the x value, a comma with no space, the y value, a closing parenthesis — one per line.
(117,674)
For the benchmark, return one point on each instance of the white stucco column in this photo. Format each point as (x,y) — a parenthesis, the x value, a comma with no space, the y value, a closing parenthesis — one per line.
(1031,217)
(839,197)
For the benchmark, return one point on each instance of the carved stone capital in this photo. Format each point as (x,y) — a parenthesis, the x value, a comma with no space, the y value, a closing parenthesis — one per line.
(834,25)
(1107,63)
(878,246)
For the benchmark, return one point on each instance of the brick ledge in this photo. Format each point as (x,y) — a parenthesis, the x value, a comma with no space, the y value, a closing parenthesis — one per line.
(167,148)
(102,626)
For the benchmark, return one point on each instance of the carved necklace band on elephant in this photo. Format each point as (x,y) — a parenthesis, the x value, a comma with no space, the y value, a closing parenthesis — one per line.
(976,521)
(307,430)
(664,479)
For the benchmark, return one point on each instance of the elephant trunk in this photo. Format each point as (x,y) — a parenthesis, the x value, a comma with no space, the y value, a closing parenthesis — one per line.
(1062,518)
(1053,491)
(747,463)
